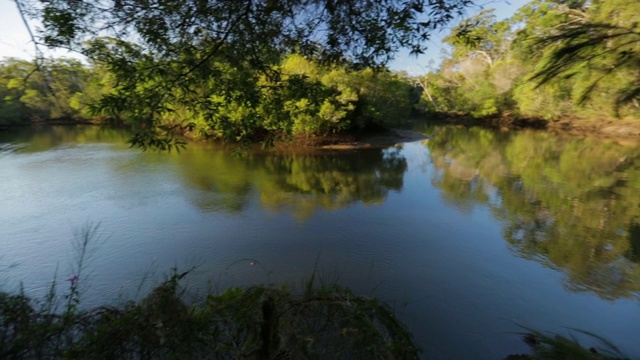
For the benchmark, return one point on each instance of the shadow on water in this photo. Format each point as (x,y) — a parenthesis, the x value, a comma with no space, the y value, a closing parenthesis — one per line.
(571,204)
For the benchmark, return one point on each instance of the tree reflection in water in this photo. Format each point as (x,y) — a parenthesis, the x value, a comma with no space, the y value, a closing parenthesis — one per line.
(571,204)
(300,183)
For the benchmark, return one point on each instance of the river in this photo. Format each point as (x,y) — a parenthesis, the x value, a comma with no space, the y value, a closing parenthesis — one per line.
(468,235)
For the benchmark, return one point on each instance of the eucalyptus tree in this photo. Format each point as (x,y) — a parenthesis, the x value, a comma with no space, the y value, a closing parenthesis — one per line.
(166,54)
(587,52)
(478,72)
(598,44)
(553,58)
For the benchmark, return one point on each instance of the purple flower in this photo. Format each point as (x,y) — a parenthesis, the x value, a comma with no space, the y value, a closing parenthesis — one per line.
(73,279)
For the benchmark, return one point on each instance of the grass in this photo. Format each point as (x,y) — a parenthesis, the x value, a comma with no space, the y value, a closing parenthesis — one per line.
(258,322)
(547,345)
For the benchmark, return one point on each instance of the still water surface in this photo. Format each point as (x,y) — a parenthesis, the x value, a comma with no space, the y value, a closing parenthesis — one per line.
(467,234)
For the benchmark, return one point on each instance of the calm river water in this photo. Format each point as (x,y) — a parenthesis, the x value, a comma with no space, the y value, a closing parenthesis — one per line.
(467,234)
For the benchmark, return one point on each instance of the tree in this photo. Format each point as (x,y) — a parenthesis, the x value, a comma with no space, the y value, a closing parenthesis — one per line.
(598,47)
(166,54)
(553,58)
(62,88)
(478,74)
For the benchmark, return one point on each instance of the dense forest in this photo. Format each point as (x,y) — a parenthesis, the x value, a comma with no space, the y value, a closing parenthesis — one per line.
(305,98)
(552,59)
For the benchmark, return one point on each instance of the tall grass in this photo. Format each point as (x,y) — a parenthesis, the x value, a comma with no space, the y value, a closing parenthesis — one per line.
(257,322)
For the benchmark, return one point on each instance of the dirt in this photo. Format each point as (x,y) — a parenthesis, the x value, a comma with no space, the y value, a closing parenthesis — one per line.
(623,128)
(608,128)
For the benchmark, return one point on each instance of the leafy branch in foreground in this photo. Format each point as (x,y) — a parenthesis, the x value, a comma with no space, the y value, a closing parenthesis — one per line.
(173,56)
(599,46)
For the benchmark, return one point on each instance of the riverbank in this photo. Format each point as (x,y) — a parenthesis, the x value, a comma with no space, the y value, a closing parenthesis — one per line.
(606,128)
(622,129)
(601,128)
(258,322)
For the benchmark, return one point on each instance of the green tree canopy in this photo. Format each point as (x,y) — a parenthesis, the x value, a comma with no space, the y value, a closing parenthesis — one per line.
(553,58)
(169,54)
(599,45)
(61,89)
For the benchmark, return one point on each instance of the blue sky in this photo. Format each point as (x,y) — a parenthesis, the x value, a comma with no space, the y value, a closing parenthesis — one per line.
(15,42)
(419,65)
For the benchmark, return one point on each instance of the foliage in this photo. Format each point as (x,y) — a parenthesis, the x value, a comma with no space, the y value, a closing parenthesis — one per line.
(303,97)
(598,46)
(261,322)
(60,89)
(257,322)
(216,73)
(479,73)
(300,98)
(552,59)
(217,62)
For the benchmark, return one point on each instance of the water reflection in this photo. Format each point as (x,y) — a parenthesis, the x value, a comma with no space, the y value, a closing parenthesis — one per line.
(299,183)
(571,204)
(48,137)
(226,180)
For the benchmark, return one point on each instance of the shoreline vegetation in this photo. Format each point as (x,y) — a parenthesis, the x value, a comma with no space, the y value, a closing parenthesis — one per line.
(323,321)
(621,129)
(257,322)
(317,321)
